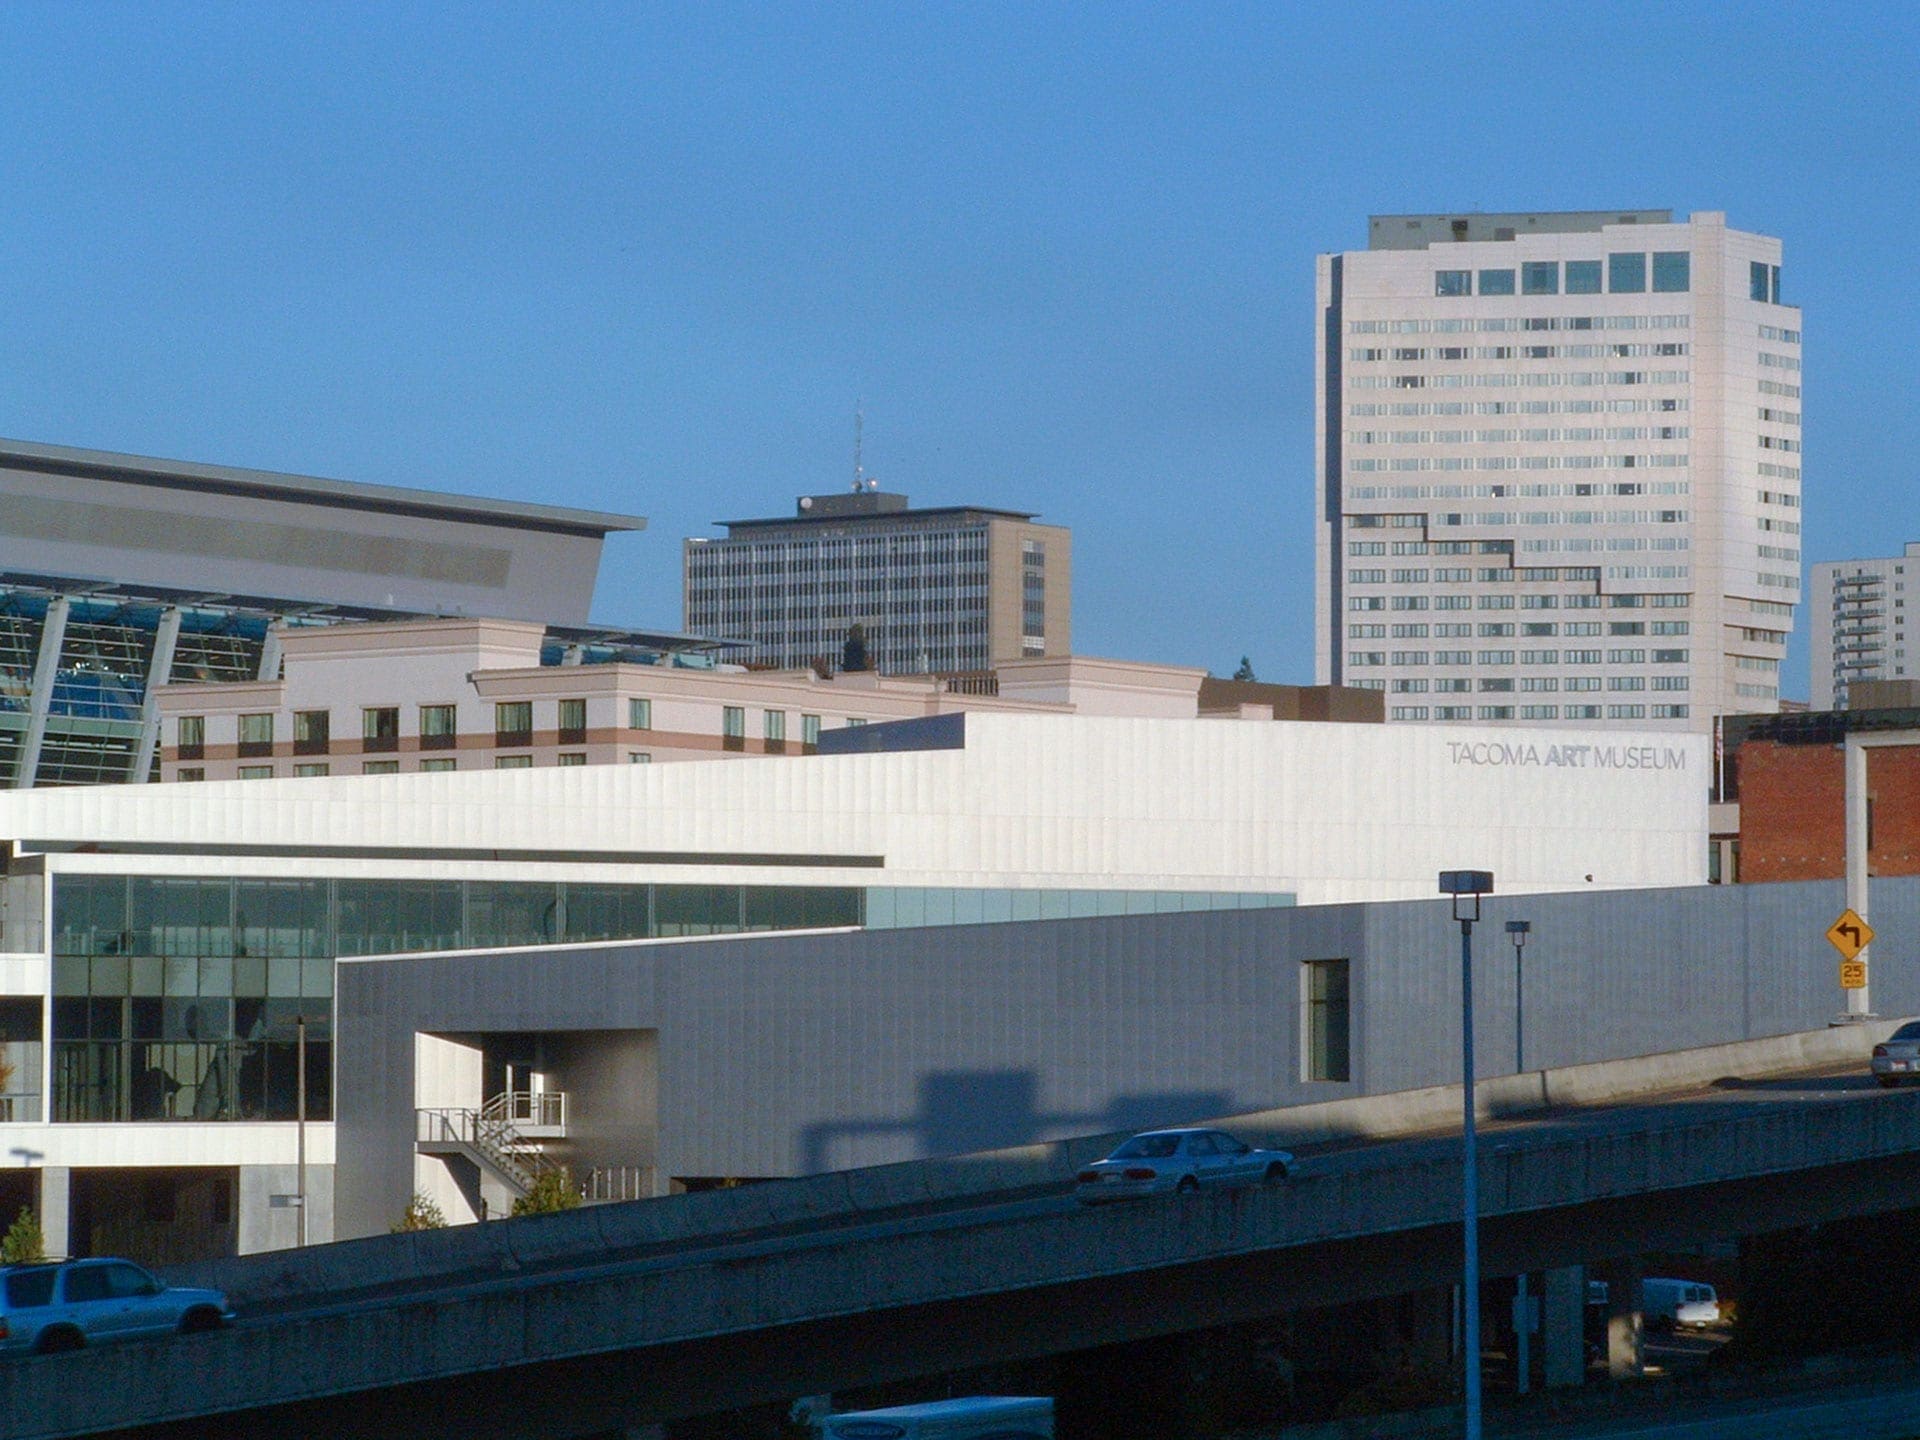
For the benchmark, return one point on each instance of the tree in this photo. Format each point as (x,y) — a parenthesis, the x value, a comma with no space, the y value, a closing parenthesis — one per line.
(421,1214)
(23,1242)
(553,1191)
(1245,672)
(853,655)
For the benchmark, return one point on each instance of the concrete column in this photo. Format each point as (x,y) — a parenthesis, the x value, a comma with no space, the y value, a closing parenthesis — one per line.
(56,1209)
(270,654)
(1563,1304)
(46,669)
(165,639)
(1623,1316)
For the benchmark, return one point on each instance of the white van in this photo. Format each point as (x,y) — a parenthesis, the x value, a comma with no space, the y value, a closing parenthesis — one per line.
(972,1417)
(1665,1303)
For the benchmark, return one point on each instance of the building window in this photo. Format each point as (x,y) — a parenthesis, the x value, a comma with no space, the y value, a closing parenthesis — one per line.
(311,730)
(513,762)
(192,736)
(309,771)
(809,729)
(639,757)
(572,757)
(776,724)
(380,729)
(1583,277)
(437,728)
(1328,1048)
(1757,281)
(733,727)
(380,767)
(439,764)
(1453,282)
(1541,277)
(1672,271)
(639,714)
(1496,282)
(191,772)
(573,722)
(256,734)
(513,722)
(1626,273)
(256,772)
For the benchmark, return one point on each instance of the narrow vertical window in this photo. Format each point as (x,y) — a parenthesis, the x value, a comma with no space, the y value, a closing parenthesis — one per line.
(1757,281)
(1328,1046)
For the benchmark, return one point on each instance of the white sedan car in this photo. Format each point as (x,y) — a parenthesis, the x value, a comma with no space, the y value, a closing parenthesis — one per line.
(1179,1161)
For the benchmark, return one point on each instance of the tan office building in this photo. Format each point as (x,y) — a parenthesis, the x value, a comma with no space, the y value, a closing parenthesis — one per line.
(939,591)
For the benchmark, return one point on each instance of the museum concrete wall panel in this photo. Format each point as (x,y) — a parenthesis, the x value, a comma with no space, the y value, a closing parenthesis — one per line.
(780,1055)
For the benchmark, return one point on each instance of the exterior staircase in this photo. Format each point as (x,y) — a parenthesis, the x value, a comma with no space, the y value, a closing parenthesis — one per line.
(502,1137)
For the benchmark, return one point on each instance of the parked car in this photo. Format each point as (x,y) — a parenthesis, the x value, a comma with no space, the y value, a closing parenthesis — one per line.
(1667,1303)
(1162,1161)
(74,1303)
(1898,1056)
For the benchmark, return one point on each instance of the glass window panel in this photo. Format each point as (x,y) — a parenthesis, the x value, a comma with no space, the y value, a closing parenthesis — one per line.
(1026,904)
(639,714)
(573,714)
(909,906)
(316,978)
(148,976)
(939,906)
(70,1017)
(250,975)
(1453,282)
(996,906)
(880,911)
(1541,277)
(183,975)
(1671,271)
(1056,905)
(216,975)
(1773,288)
(283,977)
(111,975)
(146,1017)
(504,913)
(698,909)
(106,1017)
(969,907)
(437,720)
(1626,273)
(1496,282)
(1756,281)
(1583,277)
(256,729)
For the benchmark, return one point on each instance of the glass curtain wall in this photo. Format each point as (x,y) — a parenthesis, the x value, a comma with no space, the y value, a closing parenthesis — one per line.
(178,998)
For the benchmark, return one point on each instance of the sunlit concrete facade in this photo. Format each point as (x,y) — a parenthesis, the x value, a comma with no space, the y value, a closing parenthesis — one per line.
(1558,461)
(160,945)
(1858,617)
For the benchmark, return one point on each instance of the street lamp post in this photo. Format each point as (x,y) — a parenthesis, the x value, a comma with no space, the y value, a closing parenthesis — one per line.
(1517,931)
(1466,887)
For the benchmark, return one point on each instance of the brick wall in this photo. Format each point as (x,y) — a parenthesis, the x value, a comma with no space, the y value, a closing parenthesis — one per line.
(1793,822)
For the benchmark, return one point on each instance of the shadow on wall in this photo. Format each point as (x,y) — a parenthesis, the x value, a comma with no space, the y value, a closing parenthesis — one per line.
(962,1111)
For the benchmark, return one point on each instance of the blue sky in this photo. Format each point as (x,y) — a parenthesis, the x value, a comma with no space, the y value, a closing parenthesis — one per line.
(650,258)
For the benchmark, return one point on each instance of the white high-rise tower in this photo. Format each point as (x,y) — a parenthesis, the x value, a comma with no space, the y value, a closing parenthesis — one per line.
(1558,468)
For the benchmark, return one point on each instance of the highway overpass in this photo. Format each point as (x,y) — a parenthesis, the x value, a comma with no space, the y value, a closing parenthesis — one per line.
(616,1316)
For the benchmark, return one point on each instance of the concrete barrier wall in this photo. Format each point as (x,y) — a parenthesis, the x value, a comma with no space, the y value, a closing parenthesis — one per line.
(499,1248)
(902,1268)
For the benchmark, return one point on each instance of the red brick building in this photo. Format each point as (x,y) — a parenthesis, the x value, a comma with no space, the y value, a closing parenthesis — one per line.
(1788,773)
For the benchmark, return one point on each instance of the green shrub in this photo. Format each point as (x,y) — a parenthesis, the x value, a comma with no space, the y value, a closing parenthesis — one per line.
(421,1214)
(23,1241)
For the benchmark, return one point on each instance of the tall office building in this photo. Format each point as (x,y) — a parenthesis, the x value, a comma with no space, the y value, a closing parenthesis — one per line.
(1859,621)
(1559,468)
(947,589)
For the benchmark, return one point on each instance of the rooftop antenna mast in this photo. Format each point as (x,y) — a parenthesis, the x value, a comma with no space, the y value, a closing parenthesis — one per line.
(859,424)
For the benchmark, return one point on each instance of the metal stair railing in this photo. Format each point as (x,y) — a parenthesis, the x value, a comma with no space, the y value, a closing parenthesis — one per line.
(491,1138)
